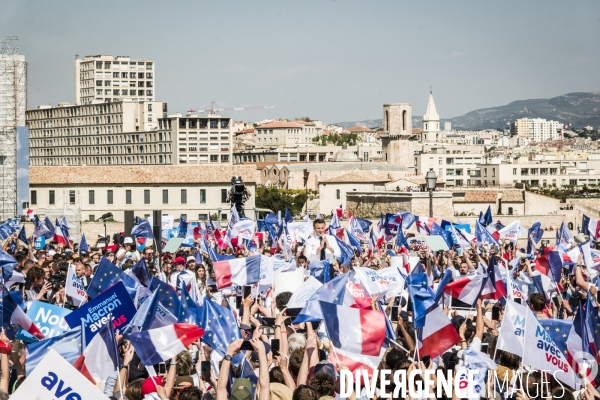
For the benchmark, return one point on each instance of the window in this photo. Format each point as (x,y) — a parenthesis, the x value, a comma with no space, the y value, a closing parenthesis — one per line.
(337,194)
(92,199)
(202,217)
(91,217)
(202,196)
(109,197)
(146,196)
(183,196)
(214,158)
(514,171)
(51,197)
(493,172)
(165,196)
(128,197)
(149,107)
(71,197)
(33,197)
(223,195)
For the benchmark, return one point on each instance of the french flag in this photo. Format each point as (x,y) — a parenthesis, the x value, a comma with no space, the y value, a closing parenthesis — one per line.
(13,314)
(438,334)
(357,335)
(156,345)
(494,287)
(59,236)
(99,359)
(339,211)
(29,214)
(571,256)
(424,225)
(467,289)
(238,271)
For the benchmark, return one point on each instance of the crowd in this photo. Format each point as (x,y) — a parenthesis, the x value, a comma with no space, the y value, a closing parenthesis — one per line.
(278,352)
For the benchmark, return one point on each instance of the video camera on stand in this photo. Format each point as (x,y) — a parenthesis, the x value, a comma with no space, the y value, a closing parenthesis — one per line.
(238,194)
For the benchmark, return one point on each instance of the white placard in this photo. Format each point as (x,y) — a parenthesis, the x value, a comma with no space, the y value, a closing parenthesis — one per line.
(288,281)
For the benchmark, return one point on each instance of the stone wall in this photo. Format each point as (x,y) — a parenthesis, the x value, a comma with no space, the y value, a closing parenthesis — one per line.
(373,204)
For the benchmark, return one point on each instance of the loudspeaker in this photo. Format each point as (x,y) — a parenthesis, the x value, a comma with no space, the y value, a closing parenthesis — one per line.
(156,231)
(128,222)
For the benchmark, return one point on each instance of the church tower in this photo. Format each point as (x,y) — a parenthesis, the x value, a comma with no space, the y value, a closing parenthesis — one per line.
(431,122)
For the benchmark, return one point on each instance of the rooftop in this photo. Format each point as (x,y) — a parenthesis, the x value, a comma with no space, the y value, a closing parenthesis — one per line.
(512,196)
(481,196)
(143,174)
(359,128)
(280,125)
(357,177)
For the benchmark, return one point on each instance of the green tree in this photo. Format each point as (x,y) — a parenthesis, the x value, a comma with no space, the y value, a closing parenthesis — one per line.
(279,199)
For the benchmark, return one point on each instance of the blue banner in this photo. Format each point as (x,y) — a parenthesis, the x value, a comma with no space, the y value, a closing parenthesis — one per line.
(114,300)
(40,242)
(48,318)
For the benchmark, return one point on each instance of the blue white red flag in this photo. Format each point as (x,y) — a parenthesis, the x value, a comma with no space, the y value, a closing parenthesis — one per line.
(156,345)
(100,358)
(467,289)
(238,271)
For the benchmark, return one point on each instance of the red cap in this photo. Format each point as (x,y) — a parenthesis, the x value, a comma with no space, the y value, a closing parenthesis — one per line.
(179,260)
(149,385)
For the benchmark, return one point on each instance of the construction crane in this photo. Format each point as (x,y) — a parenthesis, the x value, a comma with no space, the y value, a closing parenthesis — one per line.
(212,109)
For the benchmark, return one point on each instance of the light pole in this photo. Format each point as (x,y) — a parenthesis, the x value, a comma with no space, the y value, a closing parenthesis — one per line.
(430,180)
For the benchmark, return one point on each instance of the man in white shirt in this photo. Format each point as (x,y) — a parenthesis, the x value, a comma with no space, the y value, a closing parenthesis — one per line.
(320,246)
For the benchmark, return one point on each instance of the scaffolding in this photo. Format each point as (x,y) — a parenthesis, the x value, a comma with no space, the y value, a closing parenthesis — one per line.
(13,103)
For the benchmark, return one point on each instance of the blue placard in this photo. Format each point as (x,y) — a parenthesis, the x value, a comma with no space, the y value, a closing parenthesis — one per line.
(40,242)
(464,227)
(114,300)
(48,318)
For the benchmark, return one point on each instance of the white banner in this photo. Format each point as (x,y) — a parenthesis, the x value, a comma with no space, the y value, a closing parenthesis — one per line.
(542,352)
(74,288)
(384,281)
(511,231)
(55,378)
(512,331)
(244,229)
(300,231)
(288,281)
(266,273)
(304,292)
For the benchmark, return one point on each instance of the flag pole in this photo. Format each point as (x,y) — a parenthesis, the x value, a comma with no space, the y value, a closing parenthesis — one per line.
(417,345)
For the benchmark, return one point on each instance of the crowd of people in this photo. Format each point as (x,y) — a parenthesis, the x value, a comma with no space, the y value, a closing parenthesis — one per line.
(283,359)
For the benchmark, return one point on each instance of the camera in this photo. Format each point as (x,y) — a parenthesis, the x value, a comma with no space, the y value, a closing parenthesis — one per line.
(57,281)
(238,194)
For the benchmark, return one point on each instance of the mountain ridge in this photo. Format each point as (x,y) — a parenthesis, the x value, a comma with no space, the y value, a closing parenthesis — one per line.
(579,109)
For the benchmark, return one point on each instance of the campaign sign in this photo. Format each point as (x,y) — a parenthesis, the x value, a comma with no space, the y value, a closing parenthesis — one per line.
(114,301)
(54,378)
(40,242)
(48,318)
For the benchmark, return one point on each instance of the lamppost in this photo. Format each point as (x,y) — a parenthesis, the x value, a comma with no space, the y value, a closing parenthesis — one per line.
(306,176)
(430,180)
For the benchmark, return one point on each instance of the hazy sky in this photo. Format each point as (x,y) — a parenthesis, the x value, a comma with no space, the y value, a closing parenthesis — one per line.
(332,60)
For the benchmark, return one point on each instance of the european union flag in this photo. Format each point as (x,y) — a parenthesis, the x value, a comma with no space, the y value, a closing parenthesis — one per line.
(140,271)
(8,264)
(558,329)
(321,270)
(347,252)
(145,315)
(288,217)
(142,230)
(166,294)
(83,244)
(23,236)
(401,239)
(220,326)
(107,274)
(364,224)
(408,219)
(68,345)
(422,297)
(189,311)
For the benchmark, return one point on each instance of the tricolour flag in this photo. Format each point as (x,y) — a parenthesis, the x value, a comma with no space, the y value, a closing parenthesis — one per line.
(467,289)
(100,358)
(156,345)
(239,271)
(13,314)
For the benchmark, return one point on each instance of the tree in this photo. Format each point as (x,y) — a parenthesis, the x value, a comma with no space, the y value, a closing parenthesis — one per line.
(279,199)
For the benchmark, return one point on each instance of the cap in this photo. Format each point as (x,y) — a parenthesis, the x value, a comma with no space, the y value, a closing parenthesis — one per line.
(190,258)
(127,240)
(457,320)
(241,389)
(183,381)
(326,367)
(178,260)
(74,256)
(51,252)
(149,385)
(579,238)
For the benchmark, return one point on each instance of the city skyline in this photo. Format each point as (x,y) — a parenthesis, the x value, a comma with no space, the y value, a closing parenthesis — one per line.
(333,60)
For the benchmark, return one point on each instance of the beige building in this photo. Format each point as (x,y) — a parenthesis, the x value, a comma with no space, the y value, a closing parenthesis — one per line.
(199,140)
(333,191)
(304,154)
(194,191)
(116,133)
(457,165)
(537,129)
(105,79)
(397,130)
(283,133)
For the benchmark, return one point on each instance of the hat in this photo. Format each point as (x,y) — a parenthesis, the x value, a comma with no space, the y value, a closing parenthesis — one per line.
(183,381)
(404,316)
(326,367)
(74,256)
(457,320)
(149,385)
(241,389)
(190,258)
(127,240)
(579,238)
(178,260)
(279,391)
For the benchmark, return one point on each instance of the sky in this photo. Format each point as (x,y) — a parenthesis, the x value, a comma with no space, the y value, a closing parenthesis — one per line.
(330,60)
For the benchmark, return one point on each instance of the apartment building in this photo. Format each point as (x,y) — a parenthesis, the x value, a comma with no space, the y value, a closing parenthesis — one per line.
(282,133)
(105,79)
(456,165)
(191,191)
(116,133)
(303,154)
(199,140)
(550,172)
(536,129)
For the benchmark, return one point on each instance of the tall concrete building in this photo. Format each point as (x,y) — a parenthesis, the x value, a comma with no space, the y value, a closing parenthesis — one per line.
(13,103)
(105,79)
(536,129)
(431,122)
(116,133)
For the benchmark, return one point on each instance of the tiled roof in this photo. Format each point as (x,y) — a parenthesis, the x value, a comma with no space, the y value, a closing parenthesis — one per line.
(357,177)
(512,196)
(139,174)
(280,125)
(417,179)
(417,130)
(481,196)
